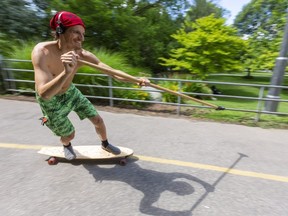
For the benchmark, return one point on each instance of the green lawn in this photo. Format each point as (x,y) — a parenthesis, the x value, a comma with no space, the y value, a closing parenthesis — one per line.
(247,118)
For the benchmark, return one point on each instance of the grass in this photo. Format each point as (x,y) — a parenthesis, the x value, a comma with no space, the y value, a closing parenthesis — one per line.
(244,118)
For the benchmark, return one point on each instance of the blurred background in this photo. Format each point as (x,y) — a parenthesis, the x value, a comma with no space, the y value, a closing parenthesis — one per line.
(207,40)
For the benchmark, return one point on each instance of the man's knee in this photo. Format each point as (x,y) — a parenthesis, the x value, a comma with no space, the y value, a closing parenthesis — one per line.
(96,120)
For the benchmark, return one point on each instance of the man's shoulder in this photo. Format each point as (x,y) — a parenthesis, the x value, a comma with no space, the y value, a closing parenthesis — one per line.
(89,56)
(44,45)
(43,49)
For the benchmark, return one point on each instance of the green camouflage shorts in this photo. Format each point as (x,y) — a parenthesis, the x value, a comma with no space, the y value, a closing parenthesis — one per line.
(57,109)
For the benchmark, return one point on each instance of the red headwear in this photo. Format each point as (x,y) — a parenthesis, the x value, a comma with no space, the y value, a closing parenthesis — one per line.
(66,19)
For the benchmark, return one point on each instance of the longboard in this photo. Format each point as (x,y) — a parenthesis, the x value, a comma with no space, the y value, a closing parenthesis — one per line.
(85,153)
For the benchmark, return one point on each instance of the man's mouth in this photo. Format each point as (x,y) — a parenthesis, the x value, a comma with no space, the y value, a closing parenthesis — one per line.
(78,43)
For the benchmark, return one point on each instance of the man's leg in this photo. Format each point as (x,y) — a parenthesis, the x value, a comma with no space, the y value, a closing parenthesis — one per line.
(101,131)
(99,127)
(85,109)
(68,149)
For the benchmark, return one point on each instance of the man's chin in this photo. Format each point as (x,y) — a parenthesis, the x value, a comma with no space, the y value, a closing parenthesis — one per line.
(78,48)
(79,52)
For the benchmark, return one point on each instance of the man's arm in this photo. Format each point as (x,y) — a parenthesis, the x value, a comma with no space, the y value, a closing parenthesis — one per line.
(93,59)
(46,85)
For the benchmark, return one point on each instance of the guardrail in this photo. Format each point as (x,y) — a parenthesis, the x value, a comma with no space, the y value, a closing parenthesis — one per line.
(10,86)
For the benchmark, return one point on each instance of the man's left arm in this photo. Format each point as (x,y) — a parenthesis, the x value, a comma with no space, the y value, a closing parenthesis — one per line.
(90,57)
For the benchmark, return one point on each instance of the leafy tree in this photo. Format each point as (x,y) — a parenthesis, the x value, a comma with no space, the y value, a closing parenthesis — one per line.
(210,47)
(19,22)
(139,29)
(266,15)
(262,21)
(261,53)
(173,7)
(203,8)
(18,19)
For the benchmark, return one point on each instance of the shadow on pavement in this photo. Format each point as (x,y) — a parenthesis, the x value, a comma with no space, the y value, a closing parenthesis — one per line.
(151,183)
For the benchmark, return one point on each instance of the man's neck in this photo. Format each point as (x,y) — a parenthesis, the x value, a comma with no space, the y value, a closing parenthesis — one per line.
(62,47)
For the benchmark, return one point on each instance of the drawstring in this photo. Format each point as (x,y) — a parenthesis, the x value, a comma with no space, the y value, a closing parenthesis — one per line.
(43,120)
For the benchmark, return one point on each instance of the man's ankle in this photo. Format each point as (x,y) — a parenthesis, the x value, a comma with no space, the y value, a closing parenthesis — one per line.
(67,145)
(105,143)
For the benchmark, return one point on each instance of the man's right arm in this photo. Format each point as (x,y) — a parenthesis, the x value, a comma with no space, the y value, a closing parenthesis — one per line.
(46,85)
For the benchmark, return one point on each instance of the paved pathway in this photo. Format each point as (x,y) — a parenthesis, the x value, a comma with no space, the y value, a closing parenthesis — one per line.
(181,167)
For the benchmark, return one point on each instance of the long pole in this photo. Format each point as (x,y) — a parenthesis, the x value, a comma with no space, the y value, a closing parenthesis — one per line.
(112,72)
(278,74)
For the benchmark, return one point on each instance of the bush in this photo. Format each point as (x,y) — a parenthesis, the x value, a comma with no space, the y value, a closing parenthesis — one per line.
(197,88)
(168,97)
(186,87)
(23,52)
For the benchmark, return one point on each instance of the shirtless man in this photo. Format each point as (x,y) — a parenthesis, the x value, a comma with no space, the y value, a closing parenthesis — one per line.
(55,65)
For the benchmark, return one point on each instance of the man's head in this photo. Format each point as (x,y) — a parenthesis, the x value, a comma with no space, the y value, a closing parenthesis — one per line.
(69,28)
(63,20)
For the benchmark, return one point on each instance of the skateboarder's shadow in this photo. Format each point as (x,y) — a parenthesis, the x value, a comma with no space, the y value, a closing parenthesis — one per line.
(152,184)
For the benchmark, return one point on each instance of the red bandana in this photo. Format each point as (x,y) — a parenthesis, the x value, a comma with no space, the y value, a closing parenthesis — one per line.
(67,19)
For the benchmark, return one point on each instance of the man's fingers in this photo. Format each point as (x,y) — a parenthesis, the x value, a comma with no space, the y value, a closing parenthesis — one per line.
(144,82)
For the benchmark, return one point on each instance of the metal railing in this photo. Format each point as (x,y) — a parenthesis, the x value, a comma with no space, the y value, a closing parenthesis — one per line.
(10,85)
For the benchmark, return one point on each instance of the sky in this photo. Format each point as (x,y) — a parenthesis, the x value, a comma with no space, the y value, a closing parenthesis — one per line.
(233,6)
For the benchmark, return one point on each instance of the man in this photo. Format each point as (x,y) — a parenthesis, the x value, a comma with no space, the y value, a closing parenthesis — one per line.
(55,65)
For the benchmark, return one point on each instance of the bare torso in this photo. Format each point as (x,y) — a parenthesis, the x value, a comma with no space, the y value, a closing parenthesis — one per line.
(56,67)
(56,62)
(50,65)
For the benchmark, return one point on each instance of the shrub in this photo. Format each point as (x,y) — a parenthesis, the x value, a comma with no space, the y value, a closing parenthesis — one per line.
(168,97)
(187,87)
(197,88)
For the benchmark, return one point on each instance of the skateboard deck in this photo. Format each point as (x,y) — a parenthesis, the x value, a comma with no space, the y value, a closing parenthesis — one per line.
(86,153)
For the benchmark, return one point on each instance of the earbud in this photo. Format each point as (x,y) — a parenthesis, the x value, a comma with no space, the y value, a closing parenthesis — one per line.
(60,29)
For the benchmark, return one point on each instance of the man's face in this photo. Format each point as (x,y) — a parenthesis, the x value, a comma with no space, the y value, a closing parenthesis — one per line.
(74,36)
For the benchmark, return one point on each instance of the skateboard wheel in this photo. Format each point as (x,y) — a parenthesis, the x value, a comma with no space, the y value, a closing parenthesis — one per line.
(52,161)
(123,162)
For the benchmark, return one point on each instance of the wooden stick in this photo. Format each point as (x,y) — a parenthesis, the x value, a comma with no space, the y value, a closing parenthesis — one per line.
(133,79)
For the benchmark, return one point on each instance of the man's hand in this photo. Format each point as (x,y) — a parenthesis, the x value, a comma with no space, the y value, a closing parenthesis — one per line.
(69,61)
(143,82)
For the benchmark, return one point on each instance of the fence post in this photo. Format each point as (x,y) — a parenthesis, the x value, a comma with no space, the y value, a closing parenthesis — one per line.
(179,98)
(2,84)
(8,77)
(110,91)
(259,105)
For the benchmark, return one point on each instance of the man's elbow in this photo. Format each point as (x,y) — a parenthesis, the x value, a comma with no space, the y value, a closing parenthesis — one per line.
(44,95)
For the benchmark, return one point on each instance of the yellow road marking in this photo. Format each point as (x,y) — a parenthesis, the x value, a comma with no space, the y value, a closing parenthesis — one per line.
(214,168)
(176,163)
(20,146)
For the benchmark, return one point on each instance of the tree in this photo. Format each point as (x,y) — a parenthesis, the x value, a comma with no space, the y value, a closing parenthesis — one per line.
(262,22)
(266,15)
(203,8)
(262,52)
(139,29)
(18,20)
(210,47)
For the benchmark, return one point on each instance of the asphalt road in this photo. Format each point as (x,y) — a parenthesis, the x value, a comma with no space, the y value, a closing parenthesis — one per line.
(181,167)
